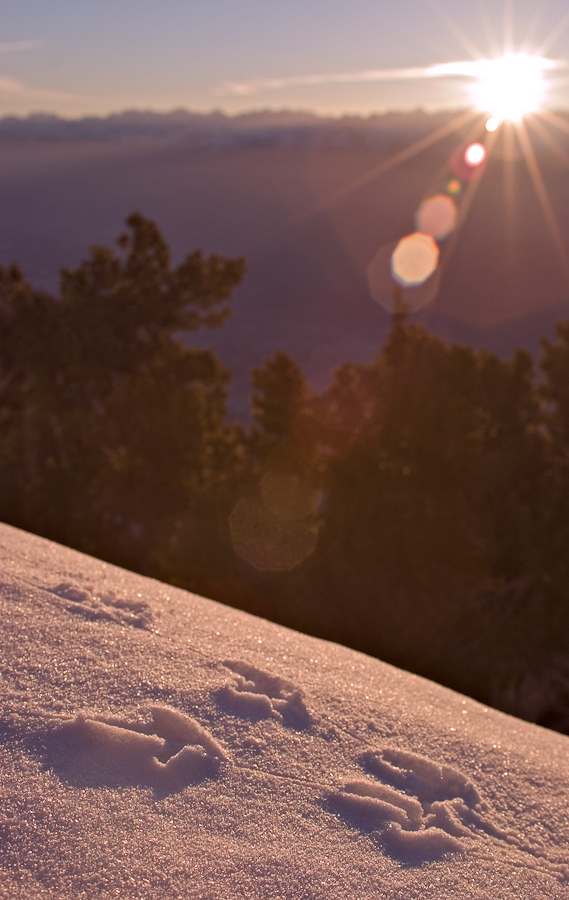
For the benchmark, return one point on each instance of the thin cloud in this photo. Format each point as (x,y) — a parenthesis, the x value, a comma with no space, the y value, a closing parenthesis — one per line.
(467,68)
(12,46)
(275,84)
(12,88)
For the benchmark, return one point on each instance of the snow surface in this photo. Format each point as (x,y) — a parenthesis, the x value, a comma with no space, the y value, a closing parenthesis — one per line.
(158,745)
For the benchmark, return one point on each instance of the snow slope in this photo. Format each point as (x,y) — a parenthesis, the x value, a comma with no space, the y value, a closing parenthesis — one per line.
(158,745)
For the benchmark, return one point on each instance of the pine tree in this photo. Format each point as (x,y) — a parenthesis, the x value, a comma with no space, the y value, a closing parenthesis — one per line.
(279,396)
(115,422)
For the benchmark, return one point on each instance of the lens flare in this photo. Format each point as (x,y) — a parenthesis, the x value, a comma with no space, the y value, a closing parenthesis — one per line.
(436,216)
(390,291)
(406,275)
(288,495)
(475,154)
(414,259)
(468,162)
(267,542)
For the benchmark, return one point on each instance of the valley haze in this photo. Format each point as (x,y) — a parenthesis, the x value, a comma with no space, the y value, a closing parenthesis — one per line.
(276,188)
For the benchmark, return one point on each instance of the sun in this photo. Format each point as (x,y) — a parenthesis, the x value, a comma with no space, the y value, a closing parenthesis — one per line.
(513,88)
(509,87)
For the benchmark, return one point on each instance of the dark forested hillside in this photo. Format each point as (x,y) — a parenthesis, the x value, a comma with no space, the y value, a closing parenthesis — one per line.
(416,508)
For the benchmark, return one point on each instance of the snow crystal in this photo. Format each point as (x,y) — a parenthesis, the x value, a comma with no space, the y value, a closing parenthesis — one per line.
(156,745)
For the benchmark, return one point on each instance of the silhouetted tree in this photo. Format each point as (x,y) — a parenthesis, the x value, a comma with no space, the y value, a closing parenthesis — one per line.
(114,421)
(421,501)
(279,396)
(439,498)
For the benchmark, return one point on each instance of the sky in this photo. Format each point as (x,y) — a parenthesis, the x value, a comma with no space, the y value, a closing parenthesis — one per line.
(95,57)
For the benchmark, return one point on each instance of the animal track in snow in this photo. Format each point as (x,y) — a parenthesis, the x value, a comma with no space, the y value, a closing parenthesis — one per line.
(104,606)
(420,809)
(260,695)
(173,749)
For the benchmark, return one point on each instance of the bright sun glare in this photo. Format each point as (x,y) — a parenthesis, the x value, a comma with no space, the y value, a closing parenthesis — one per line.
(515,87)
(510,87)
(403,276)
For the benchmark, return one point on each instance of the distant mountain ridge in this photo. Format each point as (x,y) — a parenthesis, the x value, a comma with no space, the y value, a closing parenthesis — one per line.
(280,127)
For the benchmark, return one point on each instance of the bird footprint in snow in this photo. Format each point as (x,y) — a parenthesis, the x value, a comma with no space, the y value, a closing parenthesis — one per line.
(173,748)
(105,606)
(420,809)
(259,695)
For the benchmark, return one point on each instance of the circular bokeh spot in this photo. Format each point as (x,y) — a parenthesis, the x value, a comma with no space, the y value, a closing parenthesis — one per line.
(436,216)
(289,495)
(390,293)
(475,154)
(267,542)
(453,187)
(468,162)
(414,259)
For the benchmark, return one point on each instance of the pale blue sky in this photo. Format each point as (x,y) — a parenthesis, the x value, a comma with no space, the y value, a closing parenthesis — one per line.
(78,57)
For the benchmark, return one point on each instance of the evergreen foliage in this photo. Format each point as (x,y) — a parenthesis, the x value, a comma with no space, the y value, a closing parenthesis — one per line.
(112,425)
(417,509)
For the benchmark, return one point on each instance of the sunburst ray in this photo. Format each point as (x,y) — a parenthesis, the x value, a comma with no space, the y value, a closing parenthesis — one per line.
(509,140)
(542,195)
(529,38)
(558,151)
(555,119)
(508,25)
(553,36)
(467,44)
(488,27)
(408,153)
(465,207)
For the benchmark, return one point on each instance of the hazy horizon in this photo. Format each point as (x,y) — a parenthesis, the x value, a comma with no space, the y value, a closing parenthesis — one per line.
(99,59)
(252,111)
